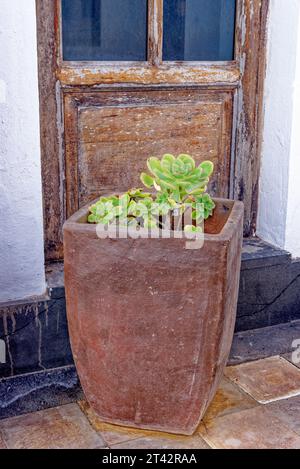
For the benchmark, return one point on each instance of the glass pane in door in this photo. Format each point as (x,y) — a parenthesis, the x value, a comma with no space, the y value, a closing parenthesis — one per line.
(199,30)
(104,30)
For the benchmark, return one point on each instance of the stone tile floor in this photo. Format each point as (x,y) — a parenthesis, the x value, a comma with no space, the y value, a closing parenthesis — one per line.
(257,406)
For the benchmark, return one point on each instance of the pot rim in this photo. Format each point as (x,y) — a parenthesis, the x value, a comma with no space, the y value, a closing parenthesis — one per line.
(75,223)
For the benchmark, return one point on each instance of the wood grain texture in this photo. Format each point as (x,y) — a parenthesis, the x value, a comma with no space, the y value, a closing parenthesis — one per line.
(155,31)
(66,87)
(79,74)
(51,128)
(251,54)
(109,137)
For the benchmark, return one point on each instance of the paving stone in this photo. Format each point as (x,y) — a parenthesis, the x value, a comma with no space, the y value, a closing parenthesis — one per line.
(192,442)
(229,398)
(255,428)
(288,411)
(267,380)
(62,427)
(112,434)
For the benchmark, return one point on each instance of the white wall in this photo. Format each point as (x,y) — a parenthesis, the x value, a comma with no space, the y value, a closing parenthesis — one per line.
(292,237)
(279,200)
(21,225)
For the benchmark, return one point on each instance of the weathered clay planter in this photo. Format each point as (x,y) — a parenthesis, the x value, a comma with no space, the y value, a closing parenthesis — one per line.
(151,323)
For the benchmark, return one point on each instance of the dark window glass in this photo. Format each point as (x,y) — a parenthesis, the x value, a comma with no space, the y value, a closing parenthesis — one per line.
(199,30)
(108,30)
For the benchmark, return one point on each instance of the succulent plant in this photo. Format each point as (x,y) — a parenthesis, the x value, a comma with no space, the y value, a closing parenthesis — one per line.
(179,177)
(180,186)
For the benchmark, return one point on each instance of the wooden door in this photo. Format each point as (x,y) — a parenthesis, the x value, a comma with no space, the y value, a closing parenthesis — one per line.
(124,80)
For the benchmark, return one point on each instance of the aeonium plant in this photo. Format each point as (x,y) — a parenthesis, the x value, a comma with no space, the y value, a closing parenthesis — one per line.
(178,186)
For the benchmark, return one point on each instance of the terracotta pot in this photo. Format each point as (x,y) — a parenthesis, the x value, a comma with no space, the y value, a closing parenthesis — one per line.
(151,322)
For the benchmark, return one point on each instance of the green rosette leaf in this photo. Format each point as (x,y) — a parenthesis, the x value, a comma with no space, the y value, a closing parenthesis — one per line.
(207,167)
(147,180)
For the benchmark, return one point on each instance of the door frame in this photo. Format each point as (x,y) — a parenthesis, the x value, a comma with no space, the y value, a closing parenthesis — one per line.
(244,76)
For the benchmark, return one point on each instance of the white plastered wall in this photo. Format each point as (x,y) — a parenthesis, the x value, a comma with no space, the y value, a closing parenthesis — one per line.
(21,219)
(292,235)
(279,199)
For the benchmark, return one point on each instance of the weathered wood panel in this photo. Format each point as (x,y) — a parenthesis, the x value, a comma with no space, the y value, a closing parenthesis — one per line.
(81,84)
(251,54)
(155,31)
(50,127)
(108,142)
(78,74)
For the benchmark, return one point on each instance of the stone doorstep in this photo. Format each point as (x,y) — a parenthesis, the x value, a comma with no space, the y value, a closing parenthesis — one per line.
(32,392)
(264,342)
